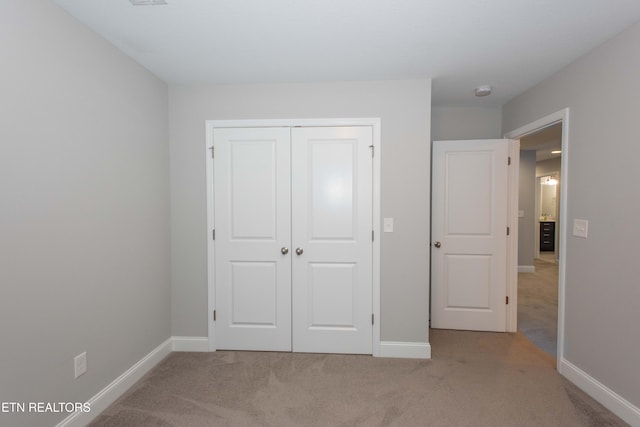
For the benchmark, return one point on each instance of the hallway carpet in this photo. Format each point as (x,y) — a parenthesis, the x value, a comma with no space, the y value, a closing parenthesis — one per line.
(473,379)
(538,305)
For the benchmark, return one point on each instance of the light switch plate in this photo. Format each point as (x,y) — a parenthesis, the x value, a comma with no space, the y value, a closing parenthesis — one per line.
(580,228)
(388,225)
(520,214)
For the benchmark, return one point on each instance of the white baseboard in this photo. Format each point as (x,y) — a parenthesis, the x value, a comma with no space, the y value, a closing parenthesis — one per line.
(410,350)
(607,397)
(190,344)
(113,391)
(526,269)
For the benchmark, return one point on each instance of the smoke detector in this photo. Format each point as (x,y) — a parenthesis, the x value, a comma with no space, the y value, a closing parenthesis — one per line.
(483,90)
(148,2)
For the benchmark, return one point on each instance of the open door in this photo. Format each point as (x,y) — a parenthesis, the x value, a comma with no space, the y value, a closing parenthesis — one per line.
(470,228)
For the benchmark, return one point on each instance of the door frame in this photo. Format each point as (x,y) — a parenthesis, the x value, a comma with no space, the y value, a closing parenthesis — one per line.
(561,116)
(210,125)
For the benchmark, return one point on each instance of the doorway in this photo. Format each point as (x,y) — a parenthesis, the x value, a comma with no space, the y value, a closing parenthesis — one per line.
(541,284)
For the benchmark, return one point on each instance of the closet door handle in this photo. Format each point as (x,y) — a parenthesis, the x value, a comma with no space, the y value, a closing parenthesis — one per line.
(284,250)
(299,251)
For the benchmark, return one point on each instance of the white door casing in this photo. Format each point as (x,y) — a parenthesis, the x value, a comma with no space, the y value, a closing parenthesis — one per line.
(469,235)
(253,216)
(561,116)
(336,275)
(332,232)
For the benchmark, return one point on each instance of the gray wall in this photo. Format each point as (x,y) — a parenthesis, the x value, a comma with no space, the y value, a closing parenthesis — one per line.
(526,203)
(84,203)
(602,292)
(449,123)
(404,109)
(548,166)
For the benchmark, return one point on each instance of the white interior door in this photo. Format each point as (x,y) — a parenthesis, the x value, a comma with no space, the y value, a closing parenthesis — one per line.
(253,225)
(332,239)
(469,235)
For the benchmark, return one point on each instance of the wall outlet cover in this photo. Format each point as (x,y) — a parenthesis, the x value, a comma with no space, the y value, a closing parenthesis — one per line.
(80,364)
(581,228)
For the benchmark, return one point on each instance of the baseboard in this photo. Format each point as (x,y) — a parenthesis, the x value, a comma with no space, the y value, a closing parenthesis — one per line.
(113,391)
(526,269)
(607,397)
(190,344)
(410,350)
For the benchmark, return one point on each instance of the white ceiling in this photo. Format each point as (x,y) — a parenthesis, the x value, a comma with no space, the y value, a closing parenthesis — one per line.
(509,44)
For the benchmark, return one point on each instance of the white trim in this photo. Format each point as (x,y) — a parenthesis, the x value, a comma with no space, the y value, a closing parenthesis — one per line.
(561,116)
(251,123)
(513,179)
(375,123)
(118,387)
(407,350)
(197,344)
(211,295)
(377,142)
(603,394)
(526,269)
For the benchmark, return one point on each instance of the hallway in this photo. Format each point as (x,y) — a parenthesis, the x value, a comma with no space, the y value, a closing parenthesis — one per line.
(538,305)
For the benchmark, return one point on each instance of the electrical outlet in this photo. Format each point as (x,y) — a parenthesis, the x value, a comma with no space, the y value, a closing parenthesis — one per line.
(80,364)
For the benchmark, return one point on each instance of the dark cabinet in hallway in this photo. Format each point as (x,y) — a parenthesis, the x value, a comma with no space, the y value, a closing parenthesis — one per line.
(547,236)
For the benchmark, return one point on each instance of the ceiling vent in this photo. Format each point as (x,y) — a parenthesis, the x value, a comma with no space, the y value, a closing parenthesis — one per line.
(148,2)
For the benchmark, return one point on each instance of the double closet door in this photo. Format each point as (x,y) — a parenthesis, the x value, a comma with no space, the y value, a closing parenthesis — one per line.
(293,244)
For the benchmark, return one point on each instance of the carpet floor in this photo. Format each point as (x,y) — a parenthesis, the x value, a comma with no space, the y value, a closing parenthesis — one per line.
(538,305)
(473,379)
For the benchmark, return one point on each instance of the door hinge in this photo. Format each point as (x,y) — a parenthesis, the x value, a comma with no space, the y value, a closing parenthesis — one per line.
(212,148)
(507,300)
(214,315)
(508,231)
(213,234)
(372,318)
(508,161)
(372,236)
(373,150)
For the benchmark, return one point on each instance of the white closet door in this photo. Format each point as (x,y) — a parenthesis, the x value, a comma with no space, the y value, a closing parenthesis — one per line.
(253,225)
(332,239)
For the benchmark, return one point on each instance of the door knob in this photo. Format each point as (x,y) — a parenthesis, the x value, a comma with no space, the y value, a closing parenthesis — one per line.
(437,244)
(299,251)
(284,250)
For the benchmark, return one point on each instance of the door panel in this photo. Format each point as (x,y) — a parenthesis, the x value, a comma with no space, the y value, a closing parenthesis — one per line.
(469,220)
(332,224)
(331,168)
(253,222)
(332,296)
(468,281)
(254,296)
(253,188)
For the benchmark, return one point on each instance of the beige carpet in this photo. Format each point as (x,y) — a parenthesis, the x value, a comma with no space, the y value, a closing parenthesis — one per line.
(538,305)
(473,379)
